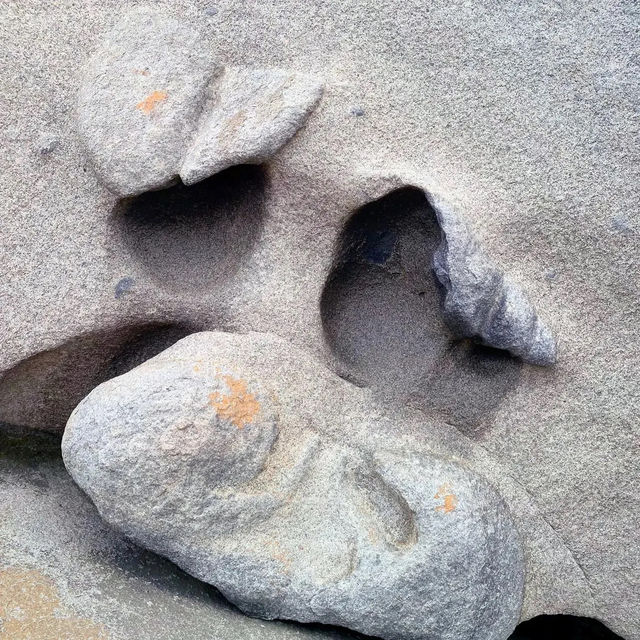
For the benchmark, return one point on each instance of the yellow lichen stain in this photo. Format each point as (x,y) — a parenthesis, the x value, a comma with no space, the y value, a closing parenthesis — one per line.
(30,609)
(152,101)
(238,406)
(450,500)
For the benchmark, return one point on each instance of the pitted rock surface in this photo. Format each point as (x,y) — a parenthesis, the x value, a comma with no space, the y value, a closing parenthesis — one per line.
(205,454)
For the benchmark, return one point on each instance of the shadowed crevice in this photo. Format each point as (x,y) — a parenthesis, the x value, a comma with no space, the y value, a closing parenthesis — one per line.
(563,627)
(382,316)
(194,238)
(41,391)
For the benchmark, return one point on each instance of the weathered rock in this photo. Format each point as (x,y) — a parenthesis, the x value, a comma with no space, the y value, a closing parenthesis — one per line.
(63,569)
(526,119)
(479,301)
(41,391)
(150,108)
(237,473)
(256,112)
(140,101)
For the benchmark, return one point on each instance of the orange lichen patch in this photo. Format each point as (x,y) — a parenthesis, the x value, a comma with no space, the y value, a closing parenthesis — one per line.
(450,500)
(141,72)
(152,101)
(238,406)
(30,610)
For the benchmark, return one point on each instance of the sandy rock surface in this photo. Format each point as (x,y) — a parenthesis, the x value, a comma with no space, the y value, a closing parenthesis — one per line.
(522,117)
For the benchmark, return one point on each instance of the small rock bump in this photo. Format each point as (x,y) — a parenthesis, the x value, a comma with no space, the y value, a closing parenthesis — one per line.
(48,146)
(123,287)
(257,112)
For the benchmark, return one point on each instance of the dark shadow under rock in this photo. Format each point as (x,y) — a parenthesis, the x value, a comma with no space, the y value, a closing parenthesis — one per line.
(41,391)
(194,238)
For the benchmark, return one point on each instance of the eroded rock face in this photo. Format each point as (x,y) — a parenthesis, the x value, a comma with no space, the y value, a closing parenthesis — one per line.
(141,99)
(255,113)
(479,301)
(470,104)
(155,105)
(221,455)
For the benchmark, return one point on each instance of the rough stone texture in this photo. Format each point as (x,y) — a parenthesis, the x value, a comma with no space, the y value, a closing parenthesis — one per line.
(141,99)
(479,302)
(58,552)
(150,107)
(522,116)
(255,113)
(220,455)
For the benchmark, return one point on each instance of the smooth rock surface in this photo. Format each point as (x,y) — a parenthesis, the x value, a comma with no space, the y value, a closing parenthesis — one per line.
(243,478)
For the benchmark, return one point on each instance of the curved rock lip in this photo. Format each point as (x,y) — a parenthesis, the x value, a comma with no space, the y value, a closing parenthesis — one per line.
(479,301)
(223,454)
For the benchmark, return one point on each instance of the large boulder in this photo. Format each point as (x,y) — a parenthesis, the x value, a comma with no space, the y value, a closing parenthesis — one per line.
(231,456)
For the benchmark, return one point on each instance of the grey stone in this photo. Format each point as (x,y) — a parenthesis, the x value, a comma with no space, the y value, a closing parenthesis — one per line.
(256,112)
(525,118)
(54,544)
(211,458)
(153,107)
(479,301)
(140,100)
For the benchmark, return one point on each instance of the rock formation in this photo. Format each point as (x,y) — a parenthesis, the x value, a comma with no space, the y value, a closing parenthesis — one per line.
(333,305)
(479,302)
(231,455)
(154,106)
